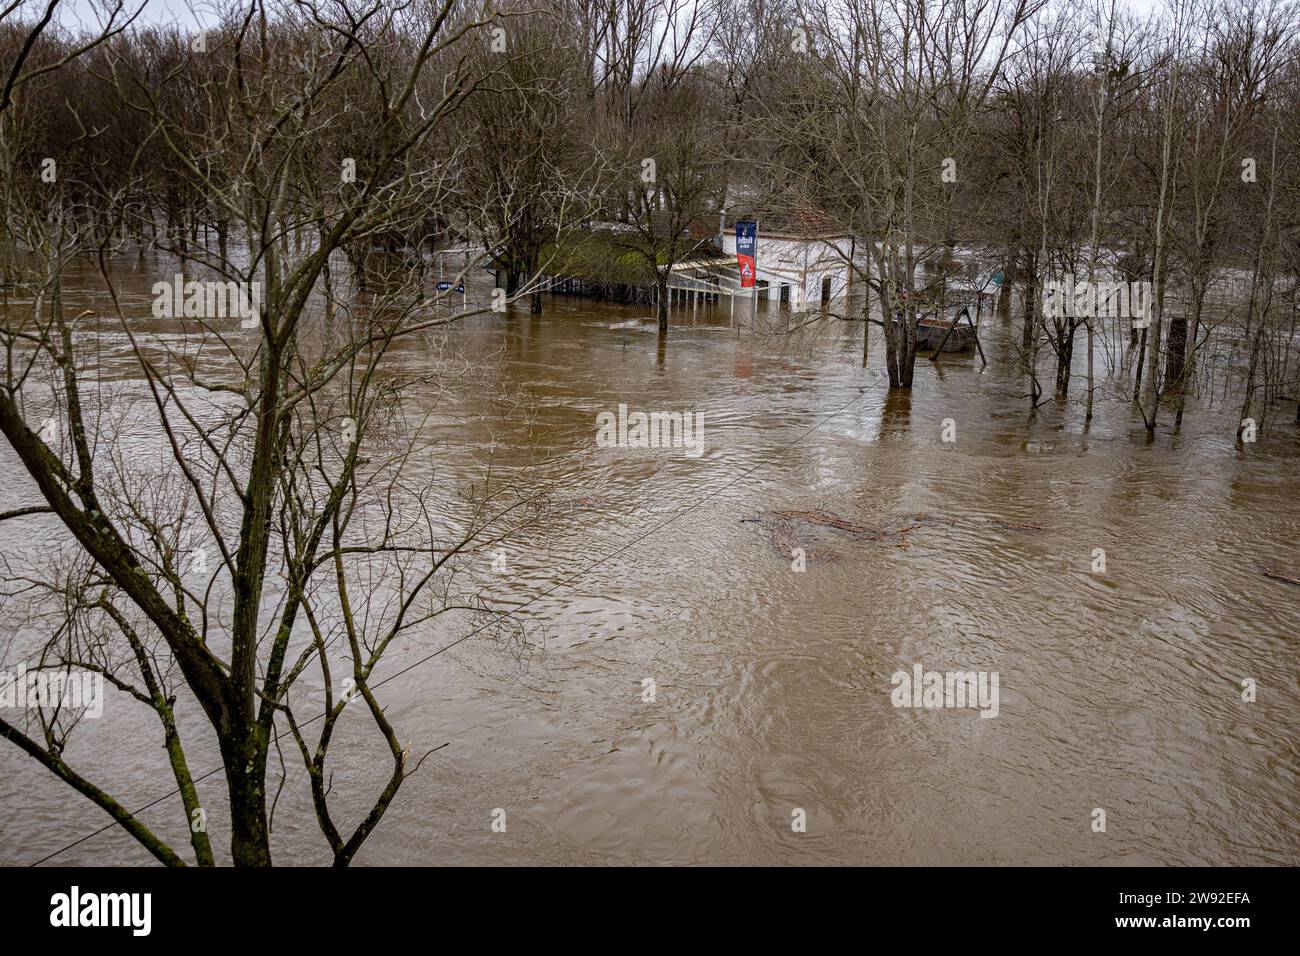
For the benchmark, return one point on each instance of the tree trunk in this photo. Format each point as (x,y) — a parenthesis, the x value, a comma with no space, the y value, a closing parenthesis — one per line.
(1031,318)
(1176,355)
(866,322)
(663,302)
(1065,359)
(1091,376)
(246,785)
(1142,357)
(909,349)
(893,322)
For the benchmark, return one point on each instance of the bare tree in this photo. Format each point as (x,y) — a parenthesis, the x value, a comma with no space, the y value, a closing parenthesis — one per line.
(265,423)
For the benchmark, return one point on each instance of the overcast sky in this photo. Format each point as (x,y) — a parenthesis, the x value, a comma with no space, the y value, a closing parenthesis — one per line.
(85,12)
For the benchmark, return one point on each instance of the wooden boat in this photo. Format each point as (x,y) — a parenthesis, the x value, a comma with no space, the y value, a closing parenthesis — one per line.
(931,330)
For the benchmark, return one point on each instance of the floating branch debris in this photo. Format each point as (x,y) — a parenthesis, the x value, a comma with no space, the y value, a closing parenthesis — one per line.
(791,530)
(1277,575)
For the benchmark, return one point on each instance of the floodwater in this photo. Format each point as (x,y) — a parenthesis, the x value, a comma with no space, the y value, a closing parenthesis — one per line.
(1118,690)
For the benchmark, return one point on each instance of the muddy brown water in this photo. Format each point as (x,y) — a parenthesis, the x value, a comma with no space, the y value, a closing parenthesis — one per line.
(1118,690)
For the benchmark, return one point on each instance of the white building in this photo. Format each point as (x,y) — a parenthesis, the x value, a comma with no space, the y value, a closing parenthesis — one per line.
(800,261)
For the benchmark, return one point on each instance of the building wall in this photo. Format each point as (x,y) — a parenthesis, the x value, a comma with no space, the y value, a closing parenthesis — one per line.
(799,263)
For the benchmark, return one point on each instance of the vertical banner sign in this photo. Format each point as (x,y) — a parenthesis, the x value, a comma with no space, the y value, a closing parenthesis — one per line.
(747,252)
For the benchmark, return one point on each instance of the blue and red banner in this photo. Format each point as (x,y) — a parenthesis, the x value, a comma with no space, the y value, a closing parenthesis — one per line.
(747,252)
